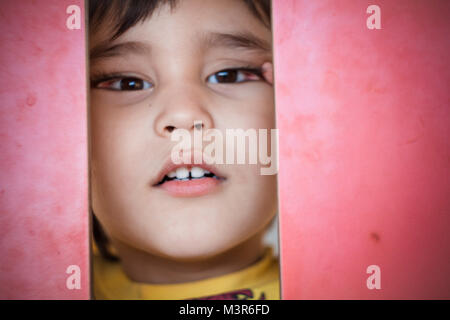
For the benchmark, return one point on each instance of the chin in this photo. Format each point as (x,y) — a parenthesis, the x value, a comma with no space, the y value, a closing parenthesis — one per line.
(192,250)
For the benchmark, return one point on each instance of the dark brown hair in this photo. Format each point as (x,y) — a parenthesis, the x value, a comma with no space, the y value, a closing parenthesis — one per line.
(125,14)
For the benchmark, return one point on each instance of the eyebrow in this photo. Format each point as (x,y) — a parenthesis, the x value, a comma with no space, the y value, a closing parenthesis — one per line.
(241,40)
(106,50)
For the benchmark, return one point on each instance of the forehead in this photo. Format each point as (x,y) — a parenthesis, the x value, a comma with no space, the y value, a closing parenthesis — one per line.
(210,24)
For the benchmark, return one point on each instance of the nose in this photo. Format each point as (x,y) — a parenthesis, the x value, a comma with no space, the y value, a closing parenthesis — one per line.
(182,107)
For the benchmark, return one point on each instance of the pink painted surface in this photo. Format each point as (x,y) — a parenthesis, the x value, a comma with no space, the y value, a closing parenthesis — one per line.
(364,120)
(43,159)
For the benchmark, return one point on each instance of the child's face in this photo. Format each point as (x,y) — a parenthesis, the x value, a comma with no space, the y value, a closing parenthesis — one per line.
(130,130)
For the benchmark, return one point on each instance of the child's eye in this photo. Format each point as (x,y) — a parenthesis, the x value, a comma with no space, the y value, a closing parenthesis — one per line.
(235,75)
(123,84)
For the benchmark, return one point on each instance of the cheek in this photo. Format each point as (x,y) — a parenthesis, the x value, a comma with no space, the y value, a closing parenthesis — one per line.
(263,188)
(118,178)
(118,145)
(251,108)
(256,200)
(255,190)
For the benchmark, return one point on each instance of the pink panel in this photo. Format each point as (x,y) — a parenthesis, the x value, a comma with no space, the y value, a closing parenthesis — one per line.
(364,129)
(43,160)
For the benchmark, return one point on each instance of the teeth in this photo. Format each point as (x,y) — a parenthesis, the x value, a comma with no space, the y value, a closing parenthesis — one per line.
(182,173)
(172,174)
(197,172)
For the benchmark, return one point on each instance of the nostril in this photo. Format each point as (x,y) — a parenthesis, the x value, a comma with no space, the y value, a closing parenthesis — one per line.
(170,128)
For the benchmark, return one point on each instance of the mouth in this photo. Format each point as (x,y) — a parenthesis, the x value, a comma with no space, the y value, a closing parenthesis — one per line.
(189,180)
(188,173)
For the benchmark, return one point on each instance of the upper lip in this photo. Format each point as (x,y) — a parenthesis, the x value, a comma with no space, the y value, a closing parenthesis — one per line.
(169,166)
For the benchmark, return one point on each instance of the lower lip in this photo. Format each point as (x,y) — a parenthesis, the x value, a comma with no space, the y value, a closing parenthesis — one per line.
(190,188)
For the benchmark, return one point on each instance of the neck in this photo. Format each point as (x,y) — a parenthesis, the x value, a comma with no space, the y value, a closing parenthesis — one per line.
(141,266)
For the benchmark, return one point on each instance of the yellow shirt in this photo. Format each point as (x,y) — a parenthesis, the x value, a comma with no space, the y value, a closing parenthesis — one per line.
(260,281)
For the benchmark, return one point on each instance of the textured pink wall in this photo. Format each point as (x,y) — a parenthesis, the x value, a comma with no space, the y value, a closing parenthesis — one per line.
(43,159)
(364,122)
